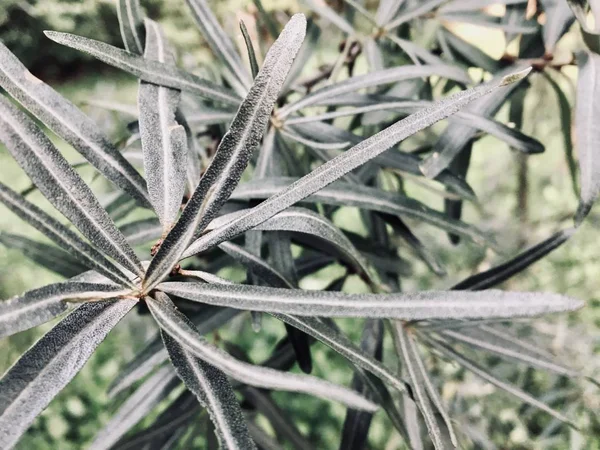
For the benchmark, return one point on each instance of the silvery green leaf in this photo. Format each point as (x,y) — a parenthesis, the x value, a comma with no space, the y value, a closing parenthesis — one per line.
(147,70)
(61,235)
(404,162)
(40,305)
(213,390)
(136,407)
(350,160)
(484,339)
(311,143)
(68,122)
(513,137)
(250,49)
(475,5)
(323,10)
(406,348)
(142,231)
(406,306)
(345,347)
(131,24)
(154,354)
(416,53)
(47,367)
(206,116)
(498,274)
(234,151)
(311,225)
(386,10)
(420,9)
(586,132)
(489,21)
(219,42)
(381,77)
(559,18)
(472,366)
(307,50)
(61,185)
(475,56)
(47,256)
(177,326)
(164,141)
(454,139)
(346,194)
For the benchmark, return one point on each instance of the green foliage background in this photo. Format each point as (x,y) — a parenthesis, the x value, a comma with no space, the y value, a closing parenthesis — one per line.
(574,269)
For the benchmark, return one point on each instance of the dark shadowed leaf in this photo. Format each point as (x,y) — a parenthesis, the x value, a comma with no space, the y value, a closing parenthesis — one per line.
(522,261)
(51,363)
(47,256)
(61,185)
(219,42)
(407,306)
(250,48)
(234,151)
(67,121)
(178,326)
(164,141)
(147,70)
(61,235)
(350,160)
(586,130)
(213,390)
(131,24)
(43,304)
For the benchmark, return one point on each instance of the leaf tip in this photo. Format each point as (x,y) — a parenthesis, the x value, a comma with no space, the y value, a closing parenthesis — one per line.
(514,77)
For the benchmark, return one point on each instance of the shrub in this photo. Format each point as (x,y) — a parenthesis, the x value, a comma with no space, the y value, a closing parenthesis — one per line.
(271,124)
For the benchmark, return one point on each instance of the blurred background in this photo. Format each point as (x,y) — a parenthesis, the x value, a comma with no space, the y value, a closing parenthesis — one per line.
(522,202)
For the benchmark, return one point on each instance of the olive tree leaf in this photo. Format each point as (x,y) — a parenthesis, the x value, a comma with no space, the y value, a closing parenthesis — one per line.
(164,142)
(213,390)
(147,70)
(348,161)
(234,151)
(142,231)
(586,131)
(386,10)
(68,122)
(418,10)
(137,406)
(559,18)
(61,185)
(406,306)
(381,77)
(219,42)
(131,24)
(62,236)
(46,368)
(178,326)
(43,304)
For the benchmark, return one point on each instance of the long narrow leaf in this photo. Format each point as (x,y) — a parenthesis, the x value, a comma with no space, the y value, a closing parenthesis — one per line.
(178,326)
(164,142)
(385,76)
(350,160)
(234,152)
(587,133)
(66,120)
(407,306)
(147,70)
(131,24)
(61,235)
(219,42)
(213,390)
(61,185)
(321,8)
(51,363)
